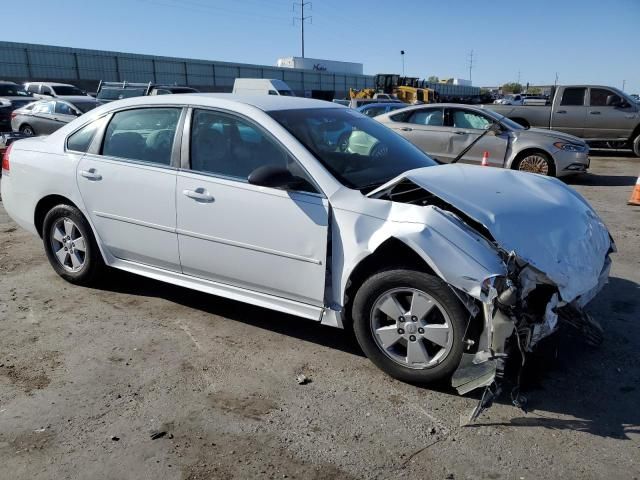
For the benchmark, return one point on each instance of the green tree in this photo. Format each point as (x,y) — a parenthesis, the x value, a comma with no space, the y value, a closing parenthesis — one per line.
(534,91)
(512,87)
(433,79)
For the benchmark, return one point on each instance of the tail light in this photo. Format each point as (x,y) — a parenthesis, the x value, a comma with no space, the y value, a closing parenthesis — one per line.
(5,159)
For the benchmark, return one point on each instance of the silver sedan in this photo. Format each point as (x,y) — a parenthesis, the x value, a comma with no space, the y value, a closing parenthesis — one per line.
(445,131)
(46,116)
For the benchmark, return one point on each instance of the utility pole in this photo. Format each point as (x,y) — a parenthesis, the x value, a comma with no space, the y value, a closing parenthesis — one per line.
(302,18)
(518,77)
(555,83)
(470,63)
(402,55)
(624,82)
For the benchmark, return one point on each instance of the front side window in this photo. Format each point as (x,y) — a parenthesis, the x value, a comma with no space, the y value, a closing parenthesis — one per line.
(373,111)
(64,109)
(598,97)
(68,90)
(227,145)
(81,140)
(45,90)
(144,134)
(359,151)
(573,97)
(461,118)
(428,116)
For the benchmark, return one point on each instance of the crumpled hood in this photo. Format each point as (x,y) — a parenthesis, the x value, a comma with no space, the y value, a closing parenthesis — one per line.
(545,222)
(550,134)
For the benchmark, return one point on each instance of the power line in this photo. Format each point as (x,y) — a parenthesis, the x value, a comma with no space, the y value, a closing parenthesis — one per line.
(302,18)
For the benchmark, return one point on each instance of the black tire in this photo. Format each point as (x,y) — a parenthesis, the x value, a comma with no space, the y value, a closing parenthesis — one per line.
(362,311)
(635,146)
(27,130)
(93,264)
(551,166)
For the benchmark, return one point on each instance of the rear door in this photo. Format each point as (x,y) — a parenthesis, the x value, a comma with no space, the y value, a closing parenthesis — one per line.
(424,127)
(465,126)
(569,112)
(609,121)
(41,118)
(128,183)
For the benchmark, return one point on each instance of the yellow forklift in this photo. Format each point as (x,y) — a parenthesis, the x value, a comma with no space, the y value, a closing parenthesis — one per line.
(410,90)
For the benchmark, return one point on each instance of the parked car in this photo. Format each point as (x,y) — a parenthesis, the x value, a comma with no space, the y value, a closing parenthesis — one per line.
(437,267)
(511,99)
(46,116)
(47,90)
(341,101)
(261,86)
(374,109)
(12,96)
(109,91)
(444,130)
(603,116)
(359,102)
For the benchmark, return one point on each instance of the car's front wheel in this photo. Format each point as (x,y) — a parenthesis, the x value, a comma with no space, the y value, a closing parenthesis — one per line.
(536,162)
(410,324)
(70,245)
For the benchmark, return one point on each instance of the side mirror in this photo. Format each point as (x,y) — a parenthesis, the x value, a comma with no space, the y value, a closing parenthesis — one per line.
(494,129)
(273,176)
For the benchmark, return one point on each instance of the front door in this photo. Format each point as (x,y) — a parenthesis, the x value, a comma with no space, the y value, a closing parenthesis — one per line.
(263,239)
(464,126)
(129,186)
(609,121)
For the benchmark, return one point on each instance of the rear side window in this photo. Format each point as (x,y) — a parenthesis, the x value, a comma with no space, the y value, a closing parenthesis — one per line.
(44,107)
(81,140)
(144,134)
(431,116)
(573,97)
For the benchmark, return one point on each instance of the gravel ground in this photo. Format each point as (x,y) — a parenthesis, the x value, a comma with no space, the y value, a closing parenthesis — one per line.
(89,376)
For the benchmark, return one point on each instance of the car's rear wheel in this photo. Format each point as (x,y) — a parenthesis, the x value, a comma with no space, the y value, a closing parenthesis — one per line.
(536,162)
(410,324)
(70,245)
(28,130)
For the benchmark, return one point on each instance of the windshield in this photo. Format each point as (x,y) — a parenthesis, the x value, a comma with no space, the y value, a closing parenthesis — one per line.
(118,93)
(507,122)
(11,90)
(67,90)
(84,107)
(360,152)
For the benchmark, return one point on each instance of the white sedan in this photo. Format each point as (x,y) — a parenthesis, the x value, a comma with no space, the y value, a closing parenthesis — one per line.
(440,269)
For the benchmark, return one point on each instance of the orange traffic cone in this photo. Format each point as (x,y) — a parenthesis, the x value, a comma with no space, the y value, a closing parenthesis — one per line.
(485,159)
(635,195)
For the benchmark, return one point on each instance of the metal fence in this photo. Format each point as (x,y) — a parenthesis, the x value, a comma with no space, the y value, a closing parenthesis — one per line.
(22,62)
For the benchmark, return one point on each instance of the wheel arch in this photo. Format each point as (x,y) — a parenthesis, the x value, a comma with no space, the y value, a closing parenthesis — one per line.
(635,133)
(391,253)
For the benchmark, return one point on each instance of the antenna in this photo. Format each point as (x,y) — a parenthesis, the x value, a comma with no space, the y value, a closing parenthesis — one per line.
(302,18)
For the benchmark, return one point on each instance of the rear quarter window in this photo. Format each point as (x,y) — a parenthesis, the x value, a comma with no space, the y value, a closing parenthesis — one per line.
(80,140)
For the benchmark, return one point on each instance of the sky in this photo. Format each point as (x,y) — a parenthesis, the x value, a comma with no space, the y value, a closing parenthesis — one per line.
(583,41)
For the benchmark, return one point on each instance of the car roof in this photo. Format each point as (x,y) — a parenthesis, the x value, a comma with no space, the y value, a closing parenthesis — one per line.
(263,102)
(51,84)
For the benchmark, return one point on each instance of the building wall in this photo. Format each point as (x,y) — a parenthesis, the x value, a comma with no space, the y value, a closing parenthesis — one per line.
(21,62)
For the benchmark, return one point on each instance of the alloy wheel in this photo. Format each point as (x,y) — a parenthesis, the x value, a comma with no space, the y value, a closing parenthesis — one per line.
(68,244)
(411,328)
(534,164)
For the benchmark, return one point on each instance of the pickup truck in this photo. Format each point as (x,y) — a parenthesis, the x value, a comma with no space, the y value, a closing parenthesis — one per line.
(603,116)
(109,91)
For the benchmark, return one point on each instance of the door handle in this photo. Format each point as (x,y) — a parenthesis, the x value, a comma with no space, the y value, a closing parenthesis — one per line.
(594,113)
(561,111)
(407,129)
(460,133)
(91,174)
(199,194)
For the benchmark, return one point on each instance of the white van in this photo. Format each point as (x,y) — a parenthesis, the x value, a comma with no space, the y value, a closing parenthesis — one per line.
(261,86)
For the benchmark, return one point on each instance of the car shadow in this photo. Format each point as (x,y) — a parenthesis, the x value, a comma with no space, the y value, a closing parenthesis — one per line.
(596,180)
(123,282)
(596,389)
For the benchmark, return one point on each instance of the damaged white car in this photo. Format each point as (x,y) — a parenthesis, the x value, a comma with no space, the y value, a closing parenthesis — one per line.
(318,211)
